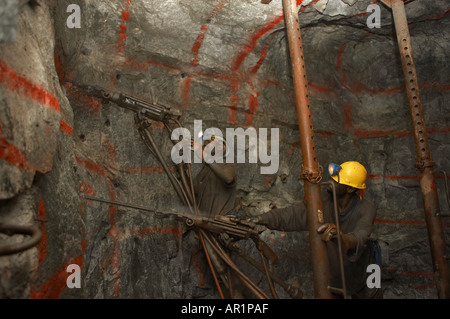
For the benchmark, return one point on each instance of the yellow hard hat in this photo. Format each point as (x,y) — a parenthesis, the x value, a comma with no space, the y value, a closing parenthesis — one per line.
(352,174)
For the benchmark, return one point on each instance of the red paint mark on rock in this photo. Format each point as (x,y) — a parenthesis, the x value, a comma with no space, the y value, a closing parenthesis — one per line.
(42,246)
(397,178)
(253,97)
(144,170)
(339,57)
(364,133)
(252,107)
(294,145)
(56,285)
(196,50)
(239,59)
(145,65)
(320,89)
(360,87)
(199,267)
(186,90)
(434,85)
(198,44)
(21,85)
(439,16)
(114,233)
(65,127)
(125,16)
(271,82)
(324,134)
(111,149)
(400,222)
(91,103)
(307,6)
(12,155)
(250,47)
(86,188)
(92,167)
(425,286)
(176,231)
(59,68)
(348,123)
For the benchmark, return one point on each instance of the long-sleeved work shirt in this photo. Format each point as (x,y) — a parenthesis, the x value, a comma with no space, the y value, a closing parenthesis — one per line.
(214,196)
(357,220)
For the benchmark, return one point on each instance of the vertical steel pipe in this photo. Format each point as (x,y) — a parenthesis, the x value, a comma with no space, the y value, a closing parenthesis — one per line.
(424,162)
(311,170)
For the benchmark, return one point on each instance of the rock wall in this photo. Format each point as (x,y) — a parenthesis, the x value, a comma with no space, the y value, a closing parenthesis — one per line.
(225,63)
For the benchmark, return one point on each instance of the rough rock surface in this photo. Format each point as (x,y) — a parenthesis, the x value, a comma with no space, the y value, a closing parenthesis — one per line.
(226,63)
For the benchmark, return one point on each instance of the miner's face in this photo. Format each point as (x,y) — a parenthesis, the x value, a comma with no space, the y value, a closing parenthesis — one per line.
(341,189)
(213,152)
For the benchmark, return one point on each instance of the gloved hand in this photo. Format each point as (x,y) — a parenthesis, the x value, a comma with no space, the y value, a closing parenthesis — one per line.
(255,220)
(329,232)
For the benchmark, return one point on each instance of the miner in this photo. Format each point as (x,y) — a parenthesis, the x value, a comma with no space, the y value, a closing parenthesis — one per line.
(215,191)
(215,184)
(356,217)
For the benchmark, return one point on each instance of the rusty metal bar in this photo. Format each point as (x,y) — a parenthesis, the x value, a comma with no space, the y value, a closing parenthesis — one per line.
(311,170)
(33,231)
(424,162)
(245,280)
(342,291)
(150,142)
(444,173)
(293,291)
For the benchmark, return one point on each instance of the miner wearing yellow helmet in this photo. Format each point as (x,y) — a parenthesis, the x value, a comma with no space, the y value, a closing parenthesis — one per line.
(356,217)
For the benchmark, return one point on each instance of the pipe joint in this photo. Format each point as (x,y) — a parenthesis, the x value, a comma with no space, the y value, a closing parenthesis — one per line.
(313,176)
(422,164)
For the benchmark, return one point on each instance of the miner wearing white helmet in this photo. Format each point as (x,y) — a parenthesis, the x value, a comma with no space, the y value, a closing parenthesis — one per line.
(215,184)
(356,217)
(215,190)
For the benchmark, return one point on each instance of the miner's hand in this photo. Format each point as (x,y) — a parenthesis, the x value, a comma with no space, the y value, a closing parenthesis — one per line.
(255,220)
(328,231)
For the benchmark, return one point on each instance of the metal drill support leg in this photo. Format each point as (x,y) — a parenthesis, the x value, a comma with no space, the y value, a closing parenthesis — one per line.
(424,162)
(311,170)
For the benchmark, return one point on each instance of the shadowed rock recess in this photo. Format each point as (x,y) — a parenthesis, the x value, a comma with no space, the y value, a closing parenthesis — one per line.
(225,62)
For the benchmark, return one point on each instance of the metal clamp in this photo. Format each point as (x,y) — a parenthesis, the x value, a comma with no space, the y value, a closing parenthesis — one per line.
(33,231)
(313,176)
(422,164)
